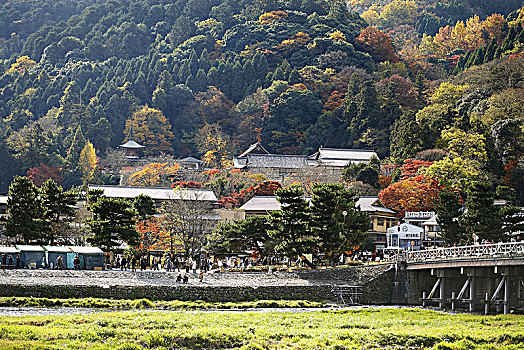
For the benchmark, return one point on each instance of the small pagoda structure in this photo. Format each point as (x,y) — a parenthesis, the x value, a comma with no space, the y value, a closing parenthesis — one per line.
(132,148)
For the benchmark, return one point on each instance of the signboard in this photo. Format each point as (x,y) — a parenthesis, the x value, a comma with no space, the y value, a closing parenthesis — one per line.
(419,215)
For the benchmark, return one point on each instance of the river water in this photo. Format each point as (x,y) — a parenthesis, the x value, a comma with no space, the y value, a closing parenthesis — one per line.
(64,311)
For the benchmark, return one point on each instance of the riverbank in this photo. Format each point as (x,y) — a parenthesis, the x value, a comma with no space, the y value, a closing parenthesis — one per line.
(373,284)
(369,328)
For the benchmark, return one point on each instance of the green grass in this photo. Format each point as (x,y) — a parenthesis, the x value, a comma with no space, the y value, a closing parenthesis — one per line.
(149,304)
(354,329)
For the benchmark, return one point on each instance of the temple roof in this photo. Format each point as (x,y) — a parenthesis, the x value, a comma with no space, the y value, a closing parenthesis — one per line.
(277,161)
(341,157)
(156,193)
(255,148)
(131,144)
(372,204)
(190,160)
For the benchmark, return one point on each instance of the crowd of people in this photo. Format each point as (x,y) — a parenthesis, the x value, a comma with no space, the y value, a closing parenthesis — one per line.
(6,261)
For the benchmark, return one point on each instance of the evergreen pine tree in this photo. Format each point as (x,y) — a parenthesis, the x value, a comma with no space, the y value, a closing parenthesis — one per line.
(26,211)
(289,226)
(59,205)
(482,217)
(73,154)
(200,82)
(294,77)
(112,221)
(334,219)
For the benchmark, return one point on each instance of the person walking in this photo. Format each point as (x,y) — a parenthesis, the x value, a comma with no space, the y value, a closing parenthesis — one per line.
(123,263)
(18,262)
(76,263)
(133,263)
(60,262)
(176,264)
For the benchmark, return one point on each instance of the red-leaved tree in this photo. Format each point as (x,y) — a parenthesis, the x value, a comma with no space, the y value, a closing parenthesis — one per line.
(414,194)
(267,188)
(41,173)
(377,43)
(411,167)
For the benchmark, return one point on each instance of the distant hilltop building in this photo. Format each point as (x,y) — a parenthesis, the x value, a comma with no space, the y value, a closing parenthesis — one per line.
(132,150)
(324,162)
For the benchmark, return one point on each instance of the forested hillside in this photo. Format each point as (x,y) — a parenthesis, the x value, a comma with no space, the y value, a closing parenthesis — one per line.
(207,78)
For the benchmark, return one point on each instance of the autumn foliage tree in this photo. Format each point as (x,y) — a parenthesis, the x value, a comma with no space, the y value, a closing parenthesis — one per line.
(39,174)
(154,174)
(377,43)
(417,194)
(87,162)
(151,234)
(151,129)
(411,167)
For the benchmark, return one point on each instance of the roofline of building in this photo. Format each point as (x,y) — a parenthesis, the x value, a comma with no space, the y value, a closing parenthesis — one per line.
(347,149)
(151,188)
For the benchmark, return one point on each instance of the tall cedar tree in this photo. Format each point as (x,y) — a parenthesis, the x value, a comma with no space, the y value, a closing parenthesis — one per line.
(482,217)
(337,233)
(112,221)
(59,206)
(26,211)
(289,226)
(449,209)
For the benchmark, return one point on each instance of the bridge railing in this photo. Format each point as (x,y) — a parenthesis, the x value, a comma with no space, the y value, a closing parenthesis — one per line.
(481,251)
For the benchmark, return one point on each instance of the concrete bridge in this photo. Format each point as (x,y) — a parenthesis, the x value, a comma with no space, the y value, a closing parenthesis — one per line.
(485,278)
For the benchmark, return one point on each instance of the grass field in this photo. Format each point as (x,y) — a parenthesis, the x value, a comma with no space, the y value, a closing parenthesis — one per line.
(354,329)
(153,304)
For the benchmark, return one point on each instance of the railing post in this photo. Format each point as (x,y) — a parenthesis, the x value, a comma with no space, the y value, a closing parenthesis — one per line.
(423,299)
(486,305)
(452,301)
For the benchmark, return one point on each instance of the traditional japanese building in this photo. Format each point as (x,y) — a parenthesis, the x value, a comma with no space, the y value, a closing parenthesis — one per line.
(380,220)
(132,150)
(336,159)
(326,163)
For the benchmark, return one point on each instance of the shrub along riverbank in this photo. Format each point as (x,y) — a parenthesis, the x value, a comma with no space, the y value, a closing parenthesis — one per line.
(348,329)
(149,304)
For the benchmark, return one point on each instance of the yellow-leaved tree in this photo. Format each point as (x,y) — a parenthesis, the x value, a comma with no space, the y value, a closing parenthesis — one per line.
(150,129)
(466,161)
(215,146)
(87,162)
(153,174)
(21,64)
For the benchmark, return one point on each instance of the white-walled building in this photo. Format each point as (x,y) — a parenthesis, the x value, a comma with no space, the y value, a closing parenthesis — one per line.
(404,236)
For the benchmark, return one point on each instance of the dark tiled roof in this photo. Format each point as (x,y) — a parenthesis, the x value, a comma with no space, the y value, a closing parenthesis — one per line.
(254,148)
(276,161)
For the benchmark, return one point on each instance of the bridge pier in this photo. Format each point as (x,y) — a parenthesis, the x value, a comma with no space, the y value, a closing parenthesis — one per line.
(472,292)
(499,290)
(489,275)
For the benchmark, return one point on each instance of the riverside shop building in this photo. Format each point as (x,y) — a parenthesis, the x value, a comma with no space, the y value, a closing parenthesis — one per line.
(404,237)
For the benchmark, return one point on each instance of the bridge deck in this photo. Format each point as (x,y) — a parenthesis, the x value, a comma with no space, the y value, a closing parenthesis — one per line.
(493,254)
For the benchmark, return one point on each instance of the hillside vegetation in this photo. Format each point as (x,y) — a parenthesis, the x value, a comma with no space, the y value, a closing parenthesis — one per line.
(207,78)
